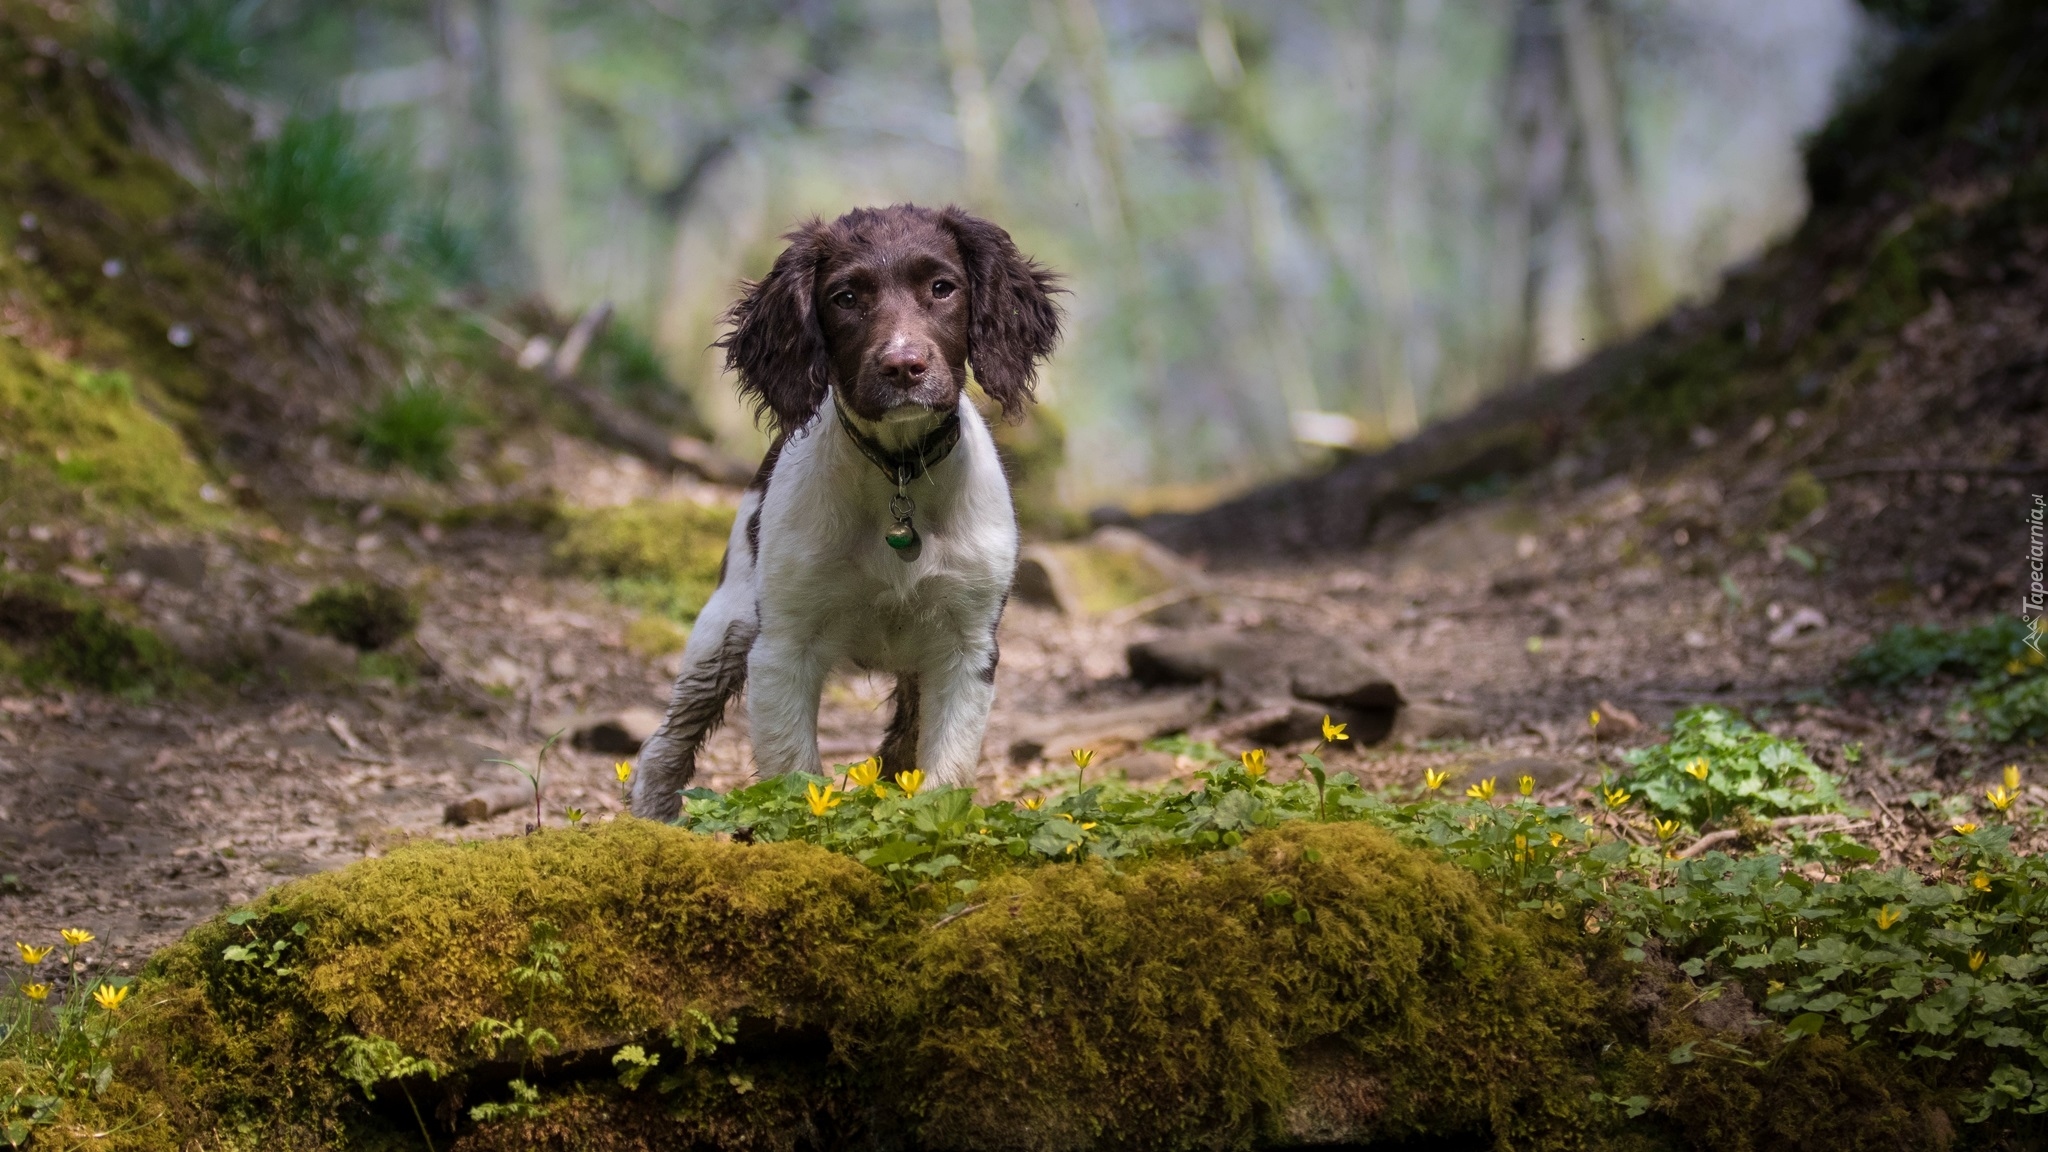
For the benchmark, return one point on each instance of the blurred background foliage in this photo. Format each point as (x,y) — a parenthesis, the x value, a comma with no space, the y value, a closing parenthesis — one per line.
(1291,228)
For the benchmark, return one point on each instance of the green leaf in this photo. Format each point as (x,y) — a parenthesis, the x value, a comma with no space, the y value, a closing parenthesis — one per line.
(895,852)
(1804,1024)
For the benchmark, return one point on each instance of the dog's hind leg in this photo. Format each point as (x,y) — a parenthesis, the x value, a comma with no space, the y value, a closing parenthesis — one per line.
(899,744)
(712,673)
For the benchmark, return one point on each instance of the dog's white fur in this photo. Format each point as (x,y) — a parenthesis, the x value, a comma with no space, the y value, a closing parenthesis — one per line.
(825,591)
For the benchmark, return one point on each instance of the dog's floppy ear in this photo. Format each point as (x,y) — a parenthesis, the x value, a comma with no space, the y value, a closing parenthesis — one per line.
(776,345)
(1012,322)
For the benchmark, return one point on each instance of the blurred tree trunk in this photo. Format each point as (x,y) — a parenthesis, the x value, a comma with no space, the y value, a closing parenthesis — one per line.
(1532,156)
(1396,212)
(533,119)
(974,114)
(1088,106)
(1278,351)
(1624,291)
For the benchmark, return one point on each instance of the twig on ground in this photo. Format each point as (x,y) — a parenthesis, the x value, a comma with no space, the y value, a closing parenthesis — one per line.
(942,921)
(1708,841)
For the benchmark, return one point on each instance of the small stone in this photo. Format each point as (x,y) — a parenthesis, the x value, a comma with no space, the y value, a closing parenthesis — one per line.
(1801,621)
(305,658)
(619,734)
(180,565)
(1418,722)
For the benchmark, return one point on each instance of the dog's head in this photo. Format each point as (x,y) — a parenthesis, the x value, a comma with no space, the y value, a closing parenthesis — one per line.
(890,306)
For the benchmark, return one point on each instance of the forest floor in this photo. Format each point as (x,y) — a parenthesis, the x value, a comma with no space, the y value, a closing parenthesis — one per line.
(1510,620)
(1856,439)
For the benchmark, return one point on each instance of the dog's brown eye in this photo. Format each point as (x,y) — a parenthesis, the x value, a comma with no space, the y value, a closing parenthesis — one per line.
(941,289)
(844,299)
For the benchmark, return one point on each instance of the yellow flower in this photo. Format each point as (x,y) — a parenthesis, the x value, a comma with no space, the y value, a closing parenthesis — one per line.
(1774,987)
(1035,803)
(109,997)
(1433,780)
(2014,667)
(1526,784)
(32,955)
(1082,757)
(1615,797)
(1965,828)
(76,937)
(1254,762)
(623,770)
(2012,777)
(37,992)
(1593,718)
(910,781)
(1666,829)
(1087,824)
(1976,960)
(1981,882)
(1556,839)
(1698,769)
(2001,798)
(1333,732)
(1885,918)
(866,774)
(822,798)
(1482,790)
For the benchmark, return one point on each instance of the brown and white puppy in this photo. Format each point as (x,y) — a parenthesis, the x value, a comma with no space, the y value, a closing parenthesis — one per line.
(879,531)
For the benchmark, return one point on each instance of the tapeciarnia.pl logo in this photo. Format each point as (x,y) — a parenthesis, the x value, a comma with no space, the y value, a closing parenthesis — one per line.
(2037,563)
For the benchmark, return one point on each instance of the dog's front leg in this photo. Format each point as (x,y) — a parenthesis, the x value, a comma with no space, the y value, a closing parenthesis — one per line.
(955,696)
(785,677)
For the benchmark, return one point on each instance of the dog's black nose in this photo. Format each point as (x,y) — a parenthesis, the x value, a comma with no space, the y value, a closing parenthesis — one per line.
(904,364)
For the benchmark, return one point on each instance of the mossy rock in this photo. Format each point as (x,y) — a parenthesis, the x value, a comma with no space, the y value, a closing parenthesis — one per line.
(78,443)
(51,634)
(1321,984)
(661,556)
(365,614)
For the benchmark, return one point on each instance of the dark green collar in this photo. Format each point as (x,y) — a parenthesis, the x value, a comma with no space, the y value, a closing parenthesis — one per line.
(913,461)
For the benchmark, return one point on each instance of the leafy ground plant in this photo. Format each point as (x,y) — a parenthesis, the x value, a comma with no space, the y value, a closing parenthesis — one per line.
(1715,765)
(310,204)
(151,45)
(2007,699)
(366,615)
(1941,969)
(54,1046)
(413,426)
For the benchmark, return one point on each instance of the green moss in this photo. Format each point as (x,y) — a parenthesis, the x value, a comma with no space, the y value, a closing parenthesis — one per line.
(1797,498)
(1743,1090)
(367,615)
(653,636)
(1107,579)
(1032,450)
(413,426)
(1166,1005)
(78,443)
(659,555)
(48,633)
